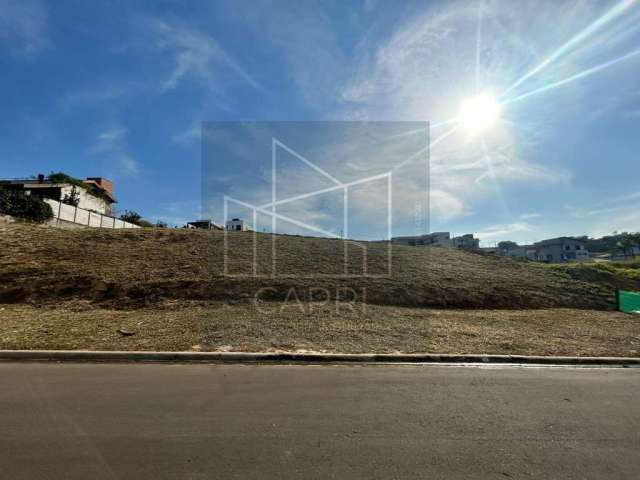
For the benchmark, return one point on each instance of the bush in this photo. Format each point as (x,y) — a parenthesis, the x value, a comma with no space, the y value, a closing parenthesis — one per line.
(135,218)
(72,198)
(61,177)
(29,207)
(131,217)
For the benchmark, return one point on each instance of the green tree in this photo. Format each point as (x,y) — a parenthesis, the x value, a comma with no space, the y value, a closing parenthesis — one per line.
(29,207)
(131,217)
(628,241)
(73,197)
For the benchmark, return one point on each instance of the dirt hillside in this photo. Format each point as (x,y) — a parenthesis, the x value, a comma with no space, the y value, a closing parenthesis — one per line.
(131,268)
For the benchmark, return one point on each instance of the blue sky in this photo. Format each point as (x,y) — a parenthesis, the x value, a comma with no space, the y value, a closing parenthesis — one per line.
(119,89)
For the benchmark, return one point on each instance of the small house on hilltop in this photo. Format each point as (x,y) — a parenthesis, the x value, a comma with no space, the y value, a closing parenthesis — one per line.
(435,239)
(93,193)
(439,239)
(561,249)
(466,242)
(236,224)
(206,224)
(513,250)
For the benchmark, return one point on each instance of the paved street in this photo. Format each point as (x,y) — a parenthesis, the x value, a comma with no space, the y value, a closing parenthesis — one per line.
(100,421)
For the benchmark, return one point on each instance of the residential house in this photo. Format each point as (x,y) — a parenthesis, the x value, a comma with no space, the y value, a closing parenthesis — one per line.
(236,224)
(435,239)
(94,193)
(513,250)
(439,239)
(206,224)
(466,242)
(561,249)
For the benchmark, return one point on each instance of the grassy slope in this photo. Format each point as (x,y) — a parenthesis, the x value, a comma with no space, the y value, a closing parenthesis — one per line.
(134,268)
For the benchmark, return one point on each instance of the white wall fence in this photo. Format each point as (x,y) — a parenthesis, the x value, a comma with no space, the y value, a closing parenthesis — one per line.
(80,216)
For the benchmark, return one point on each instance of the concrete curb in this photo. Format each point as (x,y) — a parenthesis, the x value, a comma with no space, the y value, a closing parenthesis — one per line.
(304,358)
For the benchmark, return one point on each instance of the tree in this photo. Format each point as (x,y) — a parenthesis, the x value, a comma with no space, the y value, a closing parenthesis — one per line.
(131,217)
(72,198)
(628,241)
(30,207)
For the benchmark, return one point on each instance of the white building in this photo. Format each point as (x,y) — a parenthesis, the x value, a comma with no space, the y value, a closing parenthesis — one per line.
(206,224)
(236,224)
(94,194)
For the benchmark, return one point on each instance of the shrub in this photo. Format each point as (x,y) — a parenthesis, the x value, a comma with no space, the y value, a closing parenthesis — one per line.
(135,218)
(29,207)
(61,177)
(72,198)
(131,217)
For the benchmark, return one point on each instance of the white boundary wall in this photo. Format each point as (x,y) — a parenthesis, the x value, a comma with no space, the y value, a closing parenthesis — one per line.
(80,216)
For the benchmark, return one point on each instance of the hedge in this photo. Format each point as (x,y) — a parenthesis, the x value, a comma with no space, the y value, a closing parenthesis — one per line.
(17,204)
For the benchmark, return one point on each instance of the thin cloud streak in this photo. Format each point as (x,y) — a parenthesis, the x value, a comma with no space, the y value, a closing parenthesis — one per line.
(197,55)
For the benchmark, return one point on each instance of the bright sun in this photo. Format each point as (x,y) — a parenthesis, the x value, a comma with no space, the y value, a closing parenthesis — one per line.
(479,113)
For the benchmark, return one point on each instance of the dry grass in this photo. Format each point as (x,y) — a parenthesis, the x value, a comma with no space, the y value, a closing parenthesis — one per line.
(73,289)
(320,327)
(135,268)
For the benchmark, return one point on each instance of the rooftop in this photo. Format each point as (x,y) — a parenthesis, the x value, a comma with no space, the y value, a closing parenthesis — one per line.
(102,186)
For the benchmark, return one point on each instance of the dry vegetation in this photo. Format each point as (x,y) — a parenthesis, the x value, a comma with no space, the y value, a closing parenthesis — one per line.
(137,267)
(316,327)
(73,289)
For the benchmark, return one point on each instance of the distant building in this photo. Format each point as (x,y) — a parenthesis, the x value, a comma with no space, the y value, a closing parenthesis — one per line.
(513,250)
(561,249)
(236,224)
(435,239)
(94,193)
(439,239)
(467,242)
(206,224)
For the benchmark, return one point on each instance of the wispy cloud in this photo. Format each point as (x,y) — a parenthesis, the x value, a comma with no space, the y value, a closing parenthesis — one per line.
(129,165)
(619,213)
(109,140)
(413,74)
(620,203)
(303,41)
(23,27)
(446,206)
(96,97)
(189,136)
(111,144)
(530,216)
(197,56)
(503,230)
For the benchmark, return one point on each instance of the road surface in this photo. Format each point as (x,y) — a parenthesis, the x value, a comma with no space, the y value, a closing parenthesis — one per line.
(115,421)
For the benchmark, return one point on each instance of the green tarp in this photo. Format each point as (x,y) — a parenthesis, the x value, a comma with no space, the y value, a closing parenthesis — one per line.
(628,301)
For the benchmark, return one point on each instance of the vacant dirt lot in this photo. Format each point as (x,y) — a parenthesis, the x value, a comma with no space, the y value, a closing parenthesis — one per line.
(131,269)
(74,289)
(320,327)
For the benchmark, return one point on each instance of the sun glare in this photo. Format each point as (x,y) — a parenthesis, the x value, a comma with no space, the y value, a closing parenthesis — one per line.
(479,113)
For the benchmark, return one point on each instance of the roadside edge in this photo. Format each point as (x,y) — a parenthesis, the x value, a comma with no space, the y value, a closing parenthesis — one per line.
(303,358)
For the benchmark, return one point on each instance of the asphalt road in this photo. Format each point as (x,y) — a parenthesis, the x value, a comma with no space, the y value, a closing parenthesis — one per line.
(99,421)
